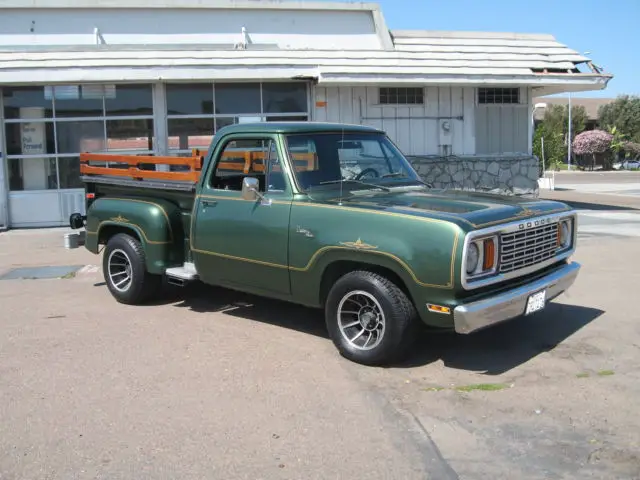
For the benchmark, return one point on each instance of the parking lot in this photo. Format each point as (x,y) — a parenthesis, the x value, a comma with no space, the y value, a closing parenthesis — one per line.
(217,384)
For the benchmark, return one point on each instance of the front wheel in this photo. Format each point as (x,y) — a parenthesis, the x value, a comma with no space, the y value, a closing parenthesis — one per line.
(125,272)
(370,319)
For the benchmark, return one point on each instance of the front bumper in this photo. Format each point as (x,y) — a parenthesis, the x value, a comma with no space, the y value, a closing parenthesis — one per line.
(505,306)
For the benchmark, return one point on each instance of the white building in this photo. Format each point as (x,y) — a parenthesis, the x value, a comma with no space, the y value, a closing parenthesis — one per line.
(160,76)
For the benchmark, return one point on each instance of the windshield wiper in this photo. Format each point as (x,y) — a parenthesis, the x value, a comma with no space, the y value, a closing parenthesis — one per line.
(401,174)
(372,185)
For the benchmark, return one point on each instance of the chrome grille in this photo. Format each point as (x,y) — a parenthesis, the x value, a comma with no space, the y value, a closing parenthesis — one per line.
(523,249)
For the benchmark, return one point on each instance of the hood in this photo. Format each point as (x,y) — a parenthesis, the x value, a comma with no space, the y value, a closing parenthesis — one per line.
(470,210)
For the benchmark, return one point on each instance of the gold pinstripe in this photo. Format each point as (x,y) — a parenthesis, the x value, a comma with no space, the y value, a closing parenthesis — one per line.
(130,224)
(127,224)
(315,256)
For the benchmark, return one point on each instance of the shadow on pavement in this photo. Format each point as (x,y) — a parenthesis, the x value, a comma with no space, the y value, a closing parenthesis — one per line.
(205,299)
(493,351)
(597,206)
(503,347)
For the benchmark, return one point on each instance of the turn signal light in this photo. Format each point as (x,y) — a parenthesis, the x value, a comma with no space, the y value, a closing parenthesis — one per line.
(489,254)
(438,308)
(91,195)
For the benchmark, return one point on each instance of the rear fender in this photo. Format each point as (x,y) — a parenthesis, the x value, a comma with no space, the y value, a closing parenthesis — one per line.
(155,223)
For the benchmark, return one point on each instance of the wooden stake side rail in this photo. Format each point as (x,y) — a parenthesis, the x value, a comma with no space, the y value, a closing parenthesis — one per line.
(246,161)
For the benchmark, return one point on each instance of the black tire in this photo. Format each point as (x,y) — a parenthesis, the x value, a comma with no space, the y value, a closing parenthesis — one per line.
(399,316)
(142,285)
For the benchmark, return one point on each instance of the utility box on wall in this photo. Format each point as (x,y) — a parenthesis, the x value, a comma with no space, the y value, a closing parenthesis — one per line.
(445,128)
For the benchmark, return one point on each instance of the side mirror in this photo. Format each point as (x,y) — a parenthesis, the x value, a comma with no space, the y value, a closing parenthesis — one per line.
(250,188)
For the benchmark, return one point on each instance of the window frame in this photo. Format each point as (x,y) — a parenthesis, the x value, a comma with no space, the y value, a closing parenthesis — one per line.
(269,139)
(418,93)
(236,117)
(502,93)
(57,120)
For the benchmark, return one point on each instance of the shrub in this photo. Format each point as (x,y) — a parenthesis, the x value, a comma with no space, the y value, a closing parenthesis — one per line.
(592,142)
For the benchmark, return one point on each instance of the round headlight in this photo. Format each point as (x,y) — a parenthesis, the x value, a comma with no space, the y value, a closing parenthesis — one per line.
(565,234)
(473,255)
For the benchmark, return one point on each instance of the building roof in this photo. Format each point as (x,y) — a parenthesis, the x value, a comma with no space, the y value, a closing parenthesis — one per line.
(199,4)
(591,105)
(400,57)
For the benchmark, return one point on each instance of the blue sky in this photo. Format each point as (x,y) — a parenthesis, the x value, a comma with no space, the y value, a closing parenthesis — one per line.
(609,29)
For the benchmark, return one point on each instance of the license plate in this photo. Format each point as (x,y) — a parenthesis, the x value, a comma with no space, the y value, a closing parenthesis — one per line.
(535,302)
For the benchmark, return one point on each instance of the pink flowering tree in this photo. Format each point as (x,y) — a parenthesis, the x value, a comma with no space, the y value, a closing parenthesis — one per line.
(592,142)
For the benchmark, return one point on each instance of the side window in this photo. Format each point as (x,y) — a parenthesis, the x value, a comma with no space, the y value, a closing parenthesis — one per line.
(238,159)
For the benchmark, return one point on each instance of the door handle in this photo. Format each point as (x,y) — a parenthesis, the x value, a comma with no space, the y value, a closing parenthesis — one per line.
(209,203)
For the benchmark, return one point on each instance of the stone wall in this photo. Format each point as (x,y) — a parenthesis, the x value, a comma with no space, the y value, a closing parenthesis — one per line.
(514,174)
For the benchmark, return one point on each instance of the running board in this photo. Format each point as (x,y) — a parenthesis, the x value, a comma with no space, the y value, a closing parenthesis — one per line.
(181,275)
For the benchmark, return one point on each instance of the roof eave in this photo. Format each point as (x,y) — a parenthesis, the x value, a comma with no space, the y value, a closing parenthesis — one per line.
(585,81)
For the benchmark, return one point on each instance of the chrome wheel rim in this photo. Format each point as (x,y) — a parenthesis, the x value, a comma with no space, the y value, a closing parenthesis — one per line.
(119,270)
(361,320)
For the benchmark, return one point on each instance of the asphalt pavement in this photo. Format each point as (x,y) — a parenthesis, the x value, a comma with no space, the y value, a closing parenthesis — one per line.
(216,384)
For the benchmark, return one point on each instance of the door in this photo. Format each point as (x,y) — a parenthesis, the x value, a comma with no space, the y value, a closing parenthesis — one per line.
(239,242)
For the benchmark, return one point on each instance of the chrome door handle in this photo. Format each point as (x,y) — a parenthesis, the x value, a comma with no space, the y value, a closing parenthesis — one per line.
(209,203)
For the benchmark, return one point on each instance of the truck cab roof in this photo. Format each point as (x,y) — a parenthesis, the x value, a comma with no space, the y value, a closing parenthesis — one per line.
(296,127)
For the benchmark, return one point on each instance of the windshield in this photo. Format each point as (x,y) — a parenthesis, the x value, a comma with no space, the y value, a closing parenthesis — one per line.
(360,160)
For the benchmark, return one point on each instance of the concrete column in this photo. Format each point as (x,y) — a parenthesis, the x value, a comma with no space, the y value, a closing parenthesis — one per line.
(160,123)
(528,99)
(4,183)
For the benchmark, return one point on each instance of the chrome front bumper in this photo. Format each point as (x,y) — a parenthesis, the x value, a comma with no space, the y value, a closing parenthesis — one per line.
(505,306)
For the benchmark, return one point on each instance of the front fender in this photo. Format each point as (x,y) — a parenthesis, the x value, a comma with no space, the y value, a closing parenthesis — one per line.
(156,223)
(423,252)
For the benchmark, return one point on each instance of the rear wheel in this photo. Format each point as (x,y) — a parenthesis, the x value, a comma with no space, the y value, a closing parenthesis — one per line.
(370,319)
(125,273)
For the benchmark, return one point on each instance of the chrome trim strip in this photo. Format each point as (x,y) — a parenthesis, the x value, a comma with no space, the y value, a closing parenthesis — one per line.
(511,304)
(513,227)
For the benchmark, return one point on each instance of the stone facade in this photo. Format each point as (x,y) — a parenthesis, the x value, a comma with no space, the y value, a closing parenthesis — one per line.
(515,174)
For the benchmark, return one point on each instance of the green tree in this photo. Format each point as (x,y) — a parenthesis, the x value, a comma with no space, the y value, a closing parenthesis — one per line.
(554,128)
(557,119)
(623,114)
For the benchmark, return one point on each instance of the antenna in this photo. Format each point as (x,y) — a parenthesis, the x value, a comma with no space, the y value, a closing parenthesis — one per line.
(340,167)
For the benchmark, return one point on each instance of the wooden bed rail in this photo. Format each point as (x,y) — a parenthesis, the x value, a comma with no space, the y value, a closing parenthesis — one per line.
(246,161)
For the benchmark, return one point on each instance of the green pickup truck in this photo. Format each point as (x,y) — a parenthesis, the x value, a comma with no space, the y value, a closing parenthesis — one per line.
(329,216)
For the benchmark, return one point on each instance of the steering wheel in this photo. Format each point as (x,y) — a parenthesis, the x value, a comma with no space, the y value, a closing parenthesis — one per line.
(365,171)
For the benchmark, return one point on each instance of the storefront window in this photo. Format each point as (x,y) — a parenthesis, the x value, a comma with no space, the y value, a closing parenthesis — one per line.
(236,98)
(75,101)
(190,99)
(191,121)
(129,100)
(127,135)
(32,174)
(284,97)
(188,133)
(76,137)
(16,98)
(47,127)
(30,138)
(69,172)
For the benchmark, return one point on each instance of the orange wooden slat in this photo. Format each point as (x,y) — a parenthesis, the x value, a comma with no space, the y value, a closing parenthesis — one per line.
(247,161)
(142,174)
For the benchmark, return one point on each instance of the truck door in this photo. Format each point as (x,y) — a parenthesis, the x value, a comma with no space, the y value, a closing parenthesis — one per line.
(237,242)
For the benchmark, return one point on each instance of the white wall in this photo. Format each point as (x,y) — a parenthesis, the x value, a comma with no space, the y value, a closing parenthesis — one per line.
(415,129)
(287,28)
